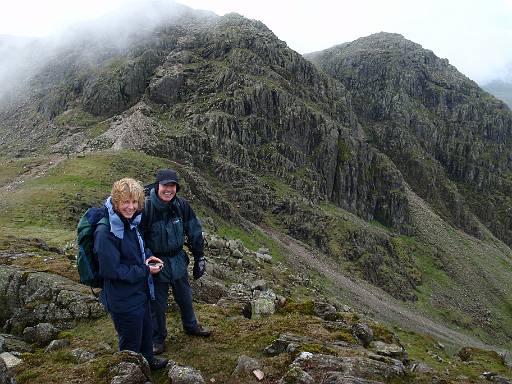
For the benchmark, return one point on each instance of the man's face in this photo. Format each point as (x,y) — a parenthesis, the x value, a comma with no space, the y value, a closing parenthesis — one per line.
(166,192)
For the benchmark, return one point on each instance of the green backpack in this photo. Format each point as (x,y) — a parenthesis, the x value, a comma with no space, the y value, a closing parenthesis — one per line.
(86,261)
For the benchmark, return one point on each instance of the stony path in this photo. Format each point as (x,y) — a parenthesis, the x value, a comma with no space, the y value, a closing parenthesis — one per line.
(33,172)
(369,299)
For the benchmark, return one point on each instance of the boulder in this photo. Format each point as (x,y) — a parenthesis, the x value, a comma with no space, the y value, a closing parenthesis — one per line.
(132,368)
(263,257)
(208,289)
(56,345)
(295,375)
(81,355)
(236,245)
(260,285)
(324,310)
(10,360)
(246,365)
(421,368)
(263,304)
(363,332)
(391,350)
(15,343)
(359,367)
(341,378)
(41,334)
(128,373)
(179,374)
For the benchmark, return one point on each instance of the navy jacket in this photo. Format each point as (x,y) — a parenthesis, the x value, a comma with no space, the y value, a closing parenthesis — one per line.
(121,255)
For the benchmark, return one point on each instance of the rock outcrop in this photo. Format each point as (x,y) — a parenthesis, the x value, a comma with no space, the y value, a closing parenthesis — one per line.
(30,298)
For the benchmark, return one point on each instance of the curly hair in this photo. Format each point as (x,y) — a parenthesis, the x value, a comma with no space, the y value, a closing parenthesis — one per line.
(125,189)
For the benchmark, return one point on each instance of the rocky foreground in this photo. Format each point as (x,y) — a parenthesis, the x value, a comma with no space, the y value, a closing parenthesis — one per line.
(329,344)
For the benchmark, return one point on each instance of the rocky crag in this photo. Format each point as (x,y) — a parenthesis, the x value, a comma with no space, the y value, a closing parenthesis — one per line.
(381,156)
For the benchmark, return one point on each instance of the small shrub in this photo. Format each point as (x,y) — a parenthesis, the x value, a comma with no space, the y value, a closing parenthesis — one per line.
(381,333)
(304,308)
(345,336)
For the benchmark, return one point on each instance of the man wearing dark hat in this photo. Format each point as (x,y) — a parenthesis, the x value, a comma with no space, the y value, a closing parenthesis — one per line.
(168,222)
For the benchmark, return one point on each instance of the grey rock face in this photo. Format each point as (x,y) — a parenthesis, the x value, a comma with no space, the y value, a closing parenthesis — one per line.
(168,88)
(357,367)
(36,297)
(417,101)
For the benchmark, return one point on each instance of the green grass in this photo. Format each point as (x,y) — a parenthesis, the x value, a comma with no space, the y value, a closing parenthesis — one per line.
(11,168)
(57,199)
(426,349)
(76,117)
(252,240)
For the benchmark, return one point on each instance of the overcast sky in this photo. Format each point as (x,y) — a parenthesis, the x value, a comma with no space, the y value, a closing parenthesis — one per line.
(474,35)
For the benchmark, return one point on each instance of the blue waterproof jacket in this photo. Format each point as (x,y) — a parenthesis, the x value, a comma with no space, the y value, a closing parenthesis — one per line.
(127,283)
(166,228)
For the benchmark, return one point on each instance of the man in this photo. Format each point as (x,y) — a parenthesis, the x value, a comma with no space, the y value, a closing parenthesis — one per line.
(169,222)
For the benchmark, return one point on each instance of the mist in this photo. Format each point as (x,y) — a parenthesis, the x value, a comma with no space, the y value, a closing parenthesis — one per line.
(474,37)
(23,58)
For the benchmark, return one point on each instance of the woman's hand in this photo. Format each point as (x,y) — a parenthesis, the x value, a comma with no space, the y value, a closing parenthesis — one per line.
(154,264)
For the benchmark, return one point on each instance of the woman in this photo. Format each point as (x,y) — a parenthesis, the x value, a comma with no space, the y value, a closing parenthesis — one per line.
(127,277)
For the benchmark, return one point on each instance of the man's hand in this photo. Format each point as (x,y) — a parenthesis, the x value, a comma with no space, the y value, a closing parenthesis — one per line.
(199,267)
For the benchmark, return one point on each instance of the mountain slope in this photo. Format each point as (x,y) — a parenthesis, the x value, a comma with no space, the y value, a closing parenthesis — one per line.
(265,138)
(450,139)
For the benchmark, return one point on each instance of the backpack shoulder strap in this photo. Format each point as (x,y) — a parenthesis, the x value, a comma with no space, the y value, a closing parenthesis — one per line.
(179,207)
(148,212)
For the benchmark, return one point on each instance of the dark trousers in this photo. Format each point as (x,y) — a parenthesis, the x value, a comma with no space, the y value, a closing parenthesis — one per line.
(134,331)
(183,296)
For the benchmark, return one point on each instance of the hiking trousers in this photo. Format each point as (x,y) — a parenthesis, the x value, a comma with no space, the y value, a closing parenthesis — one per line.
(134,330)
(182,293)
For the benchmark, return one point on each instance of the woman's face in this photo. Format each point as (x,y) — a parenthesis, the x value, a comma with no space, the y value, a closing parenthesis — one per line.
(128,207)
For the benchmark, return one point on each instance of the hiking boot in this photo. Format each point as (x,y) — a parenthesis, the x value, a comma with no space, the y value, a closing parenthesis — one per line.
(158,348)
(157,363)
(199,331)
